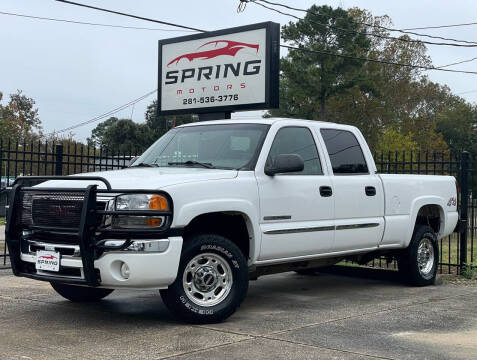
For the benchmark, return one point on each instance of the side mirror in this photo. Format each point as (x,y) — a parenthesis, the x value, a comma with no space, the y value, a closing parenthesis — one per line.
(285,163)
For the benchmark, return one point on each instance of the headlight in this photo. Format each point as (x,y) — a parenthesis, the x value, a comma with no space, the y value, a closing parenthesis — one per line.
(139,202)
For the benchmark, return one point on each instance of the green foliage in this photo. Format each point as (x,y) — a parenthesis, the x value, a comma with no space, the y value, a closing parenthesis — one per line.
(458,124)
(374,97)
(19,117)
(158,125)
(120,135)
(308,78)
(22,108)
(468,272)
(97,134)
(126,136)
(391,140)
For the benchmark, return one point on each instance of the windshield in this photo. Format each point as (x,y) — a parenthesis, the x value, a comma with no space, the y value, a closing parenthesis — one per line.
(229,146)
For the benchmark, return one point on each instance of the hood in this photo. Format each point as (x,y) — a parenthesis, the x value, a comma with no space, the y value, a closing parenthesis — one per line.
(146,178)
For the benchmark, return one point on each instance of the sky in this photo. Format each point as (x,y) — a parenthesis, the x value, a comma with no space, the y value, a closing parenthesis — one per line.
(77,72)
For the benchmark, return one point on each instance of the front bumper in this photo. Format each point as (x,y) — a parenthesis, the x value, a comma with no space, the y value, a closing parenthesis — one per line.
(87,259)
(155,270)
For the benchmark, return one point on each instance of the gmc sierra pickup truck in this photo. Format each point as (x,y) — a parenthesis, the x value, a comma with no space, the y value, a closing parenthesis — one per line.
(211,205)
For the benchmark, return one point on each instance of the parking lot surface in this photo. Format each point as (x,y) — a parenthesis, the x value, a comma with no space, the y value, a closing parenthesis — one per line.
(286,316)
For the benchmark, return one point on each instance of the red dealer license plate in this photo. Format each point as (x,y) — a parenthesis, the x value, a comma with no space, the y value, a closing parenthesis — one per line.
(48,260)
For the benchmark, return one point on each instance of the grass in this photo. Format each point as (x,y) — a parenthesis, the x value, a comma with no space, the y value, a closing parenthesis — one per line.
(2,221)
(450,251)
(468,272)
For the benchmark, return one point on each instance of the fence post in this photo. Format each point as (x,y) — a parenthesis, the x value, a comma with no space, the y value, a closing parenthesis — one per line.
(59,160)
(464,201)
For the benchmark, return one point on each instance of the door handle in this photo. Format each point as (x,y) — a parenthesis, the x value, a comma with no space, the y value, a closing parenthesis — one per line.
(370,190)
(326,191)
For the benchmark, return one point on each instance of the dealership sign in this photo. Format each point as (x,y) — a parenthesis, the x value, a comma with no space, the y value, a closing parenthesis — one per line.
(220,71)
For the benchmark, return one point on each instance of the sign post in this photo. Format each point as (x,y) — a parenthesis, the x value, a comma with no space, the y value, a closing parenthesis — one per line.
(215,73)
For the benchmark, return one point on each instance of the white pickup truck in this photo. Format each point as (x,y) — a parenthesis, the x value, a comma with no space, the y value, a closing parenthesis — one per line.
(211,205)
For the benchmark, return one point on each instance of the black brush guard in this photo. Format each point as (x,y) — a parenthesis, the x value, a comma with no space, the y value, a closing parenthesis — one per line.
(91,236)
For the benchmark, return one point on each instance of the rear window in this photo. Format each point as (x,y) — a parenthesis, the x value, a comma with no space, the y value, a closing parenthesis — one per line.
(345,152)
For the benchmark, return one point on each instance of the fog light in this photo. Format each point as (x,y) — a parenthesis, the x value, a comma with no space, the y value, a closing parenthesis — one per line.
(125,270)
(145,245)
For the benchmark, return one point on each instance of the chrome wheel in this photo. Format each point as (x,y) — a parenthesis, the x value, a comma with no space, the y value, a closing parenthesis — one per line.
(425,257)
(207,279)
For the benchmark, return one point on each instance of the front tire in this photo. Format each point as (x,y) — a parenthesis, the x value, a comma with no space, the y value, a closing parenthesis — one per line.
(80,293)
(418,263)
(211,283)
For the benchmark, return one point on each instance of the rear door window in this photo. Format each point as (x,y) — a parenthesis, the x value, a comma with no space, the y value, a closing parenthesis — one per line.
(345,152)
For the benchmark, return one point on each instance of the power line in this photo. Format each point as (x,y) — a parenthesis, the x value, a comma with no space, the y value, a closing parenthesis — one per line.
(106,114)
(441,26)
(362,33)
(124,106)
(377,61)
(404,31)
(456,63)
(285,46)
(129,15)
(89,23)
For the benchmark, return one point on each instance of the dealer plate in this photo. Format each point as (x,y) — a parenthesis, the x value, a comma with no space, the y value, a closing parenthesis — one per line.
(48,260)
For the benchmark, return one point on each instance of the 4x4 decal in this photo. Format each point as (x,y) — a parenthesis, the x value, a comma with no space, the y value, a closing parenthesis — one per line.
(452,201)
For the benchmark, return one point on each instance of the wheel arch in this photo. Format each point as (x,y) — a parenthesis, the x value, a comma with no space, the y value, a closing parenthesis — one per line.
(224,219)
(427,211)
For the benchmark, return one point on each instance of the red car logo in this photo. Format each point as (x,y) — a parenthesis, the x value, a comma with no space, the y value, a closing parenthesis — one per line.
(49,257)
(231,48)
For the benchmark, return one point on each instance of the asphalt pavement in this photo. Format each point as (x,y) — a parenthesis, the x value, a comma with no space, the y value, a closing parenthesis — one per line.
(286,316)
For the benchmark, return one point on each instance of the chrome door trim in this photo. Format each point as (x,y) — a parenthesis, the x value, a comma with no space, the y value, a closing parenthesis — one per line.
(356,226)
(277,217)
(320,228)
(299,230)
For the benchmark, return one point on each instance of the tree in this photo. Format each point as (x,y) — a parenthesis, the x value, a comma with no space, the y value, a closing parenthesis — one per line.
(393,140)
(116,134)
(120,135)
(97,134)
(22,108)
(159,125)
(372,96)
(19,117)
(310,76)
(458,125)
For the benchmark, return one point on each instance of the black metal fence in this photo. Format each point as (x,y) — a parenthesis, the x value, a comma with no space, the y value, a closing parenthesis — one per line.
(65,159)
(52,158)
(457,249)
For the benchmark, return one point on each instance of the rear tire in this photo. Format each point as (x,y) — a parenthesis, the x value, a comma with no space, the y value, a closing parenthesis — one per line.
(418,263)
(80,293)
(211,283)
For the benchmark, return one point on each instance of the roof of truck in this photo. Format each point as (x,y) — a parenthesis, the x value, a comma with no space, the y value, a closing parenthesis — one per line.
(258,120)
